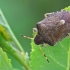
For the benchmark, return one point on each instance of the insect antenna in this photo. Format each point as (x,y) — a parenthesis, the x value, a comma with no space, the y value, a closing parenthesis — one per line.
(26,37)
(39,46)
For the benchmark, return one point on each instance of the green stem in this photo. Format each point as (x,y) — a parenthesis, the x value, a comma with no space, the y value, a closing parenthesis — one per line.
(18,54)
(14,52)
(10,31)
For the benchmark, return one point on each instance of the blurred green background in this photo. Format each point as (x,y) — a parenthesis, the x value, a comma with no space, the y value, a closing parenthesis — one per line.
(22,16)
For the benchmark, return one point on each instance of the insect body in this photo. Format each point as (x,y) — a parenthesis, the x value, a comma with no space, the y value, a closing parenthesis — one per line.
(53,28)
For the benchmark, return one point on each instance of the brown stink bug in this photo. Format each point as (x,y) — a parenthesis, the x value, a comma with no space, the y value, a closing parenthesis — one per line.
(53,28)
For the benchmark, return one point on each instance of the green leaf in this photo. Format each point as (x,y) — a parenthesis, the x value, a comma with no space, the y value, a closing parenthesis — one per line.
(58,55)
(5,63)
(67,8)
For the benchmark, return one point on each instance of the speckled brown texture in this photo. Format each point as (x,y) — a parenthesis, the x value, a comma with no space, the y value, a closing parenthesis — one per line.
(51,30)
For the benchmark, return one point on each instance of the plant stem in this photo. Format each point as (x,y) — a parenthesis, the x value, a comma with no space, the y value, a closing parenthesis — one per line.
(14,52)
(10,31)
(18,54)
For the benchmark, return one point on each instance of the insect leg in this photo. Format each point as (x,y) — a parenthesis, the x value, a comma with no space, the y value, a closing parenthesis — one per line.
(43,54)
(47,14)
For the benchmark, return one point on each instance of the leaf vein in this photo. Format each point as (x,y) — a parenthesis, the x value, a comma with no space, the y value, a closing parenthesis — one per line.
(57,62)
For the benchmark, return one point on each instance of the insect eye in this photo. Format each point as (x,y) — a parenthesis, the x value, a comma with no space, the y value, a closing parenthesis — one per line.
(38,40)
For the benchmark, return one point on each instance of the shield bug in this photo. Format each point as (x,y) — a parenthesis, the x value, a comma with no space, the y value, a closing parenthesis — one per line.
(53,28)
